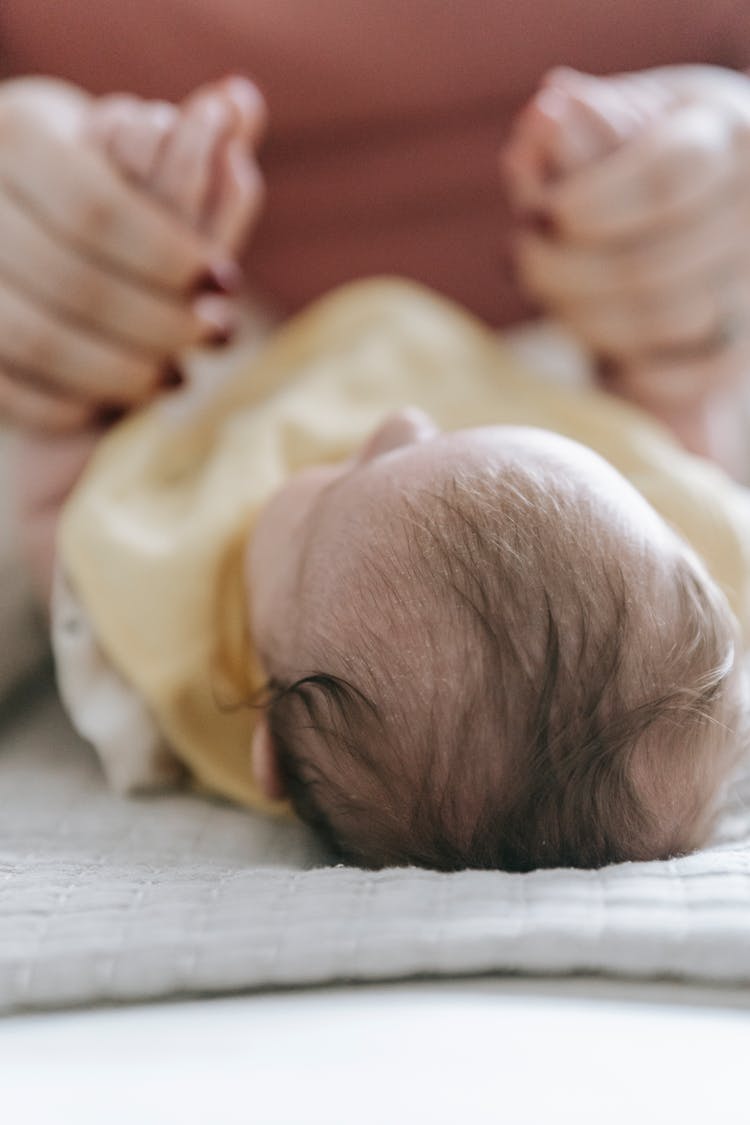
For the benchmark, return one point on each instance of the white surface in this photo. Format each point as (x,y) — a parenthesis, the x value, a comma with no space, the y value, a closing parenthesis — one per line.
(473,1052)
(104,898)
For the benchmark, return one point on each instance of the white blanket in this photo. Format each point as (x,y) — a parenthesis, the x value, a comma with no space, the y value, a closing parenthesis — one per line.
(104,898)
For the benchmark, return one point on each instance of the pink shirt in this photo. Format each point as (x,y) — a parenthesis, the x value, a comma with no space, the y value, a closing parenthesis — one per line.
(387,115)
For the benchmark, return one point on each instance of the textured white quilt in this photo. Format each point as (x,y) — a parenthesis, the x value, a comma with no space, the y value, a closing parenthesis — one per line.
(103,898)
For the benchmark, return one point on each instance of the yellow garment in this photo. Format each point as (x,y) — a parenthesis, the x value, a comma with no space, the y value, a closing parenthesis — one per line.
(153,536)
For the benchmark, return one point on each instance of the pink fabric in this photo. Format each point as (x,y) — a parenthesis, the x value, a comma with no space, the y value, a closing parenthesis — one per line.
(386,114)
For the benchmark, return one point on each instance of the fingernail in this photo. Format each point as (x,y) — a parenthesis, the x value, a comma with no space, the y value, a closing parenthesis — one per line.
(221,277)
(107,415)
(541,222)
(220,336)
(171,377)
(607,367)
(219,317)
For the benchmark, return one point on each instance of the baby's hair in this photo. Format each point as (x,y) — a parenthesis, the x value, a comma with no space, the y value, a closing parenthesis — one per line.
(567,721)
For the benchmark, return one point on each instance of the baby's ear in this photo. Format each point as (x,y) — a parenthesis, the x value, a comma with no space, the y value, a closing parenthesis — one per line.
(265,763)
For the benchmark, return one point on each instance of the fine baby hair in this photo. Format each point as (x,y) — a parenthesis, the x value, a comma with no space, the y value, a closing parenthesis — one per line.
(580,704)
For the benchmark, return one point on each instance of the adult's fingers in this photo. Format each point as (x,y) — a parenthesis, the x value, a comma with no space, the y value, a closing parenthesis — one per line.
(94,208)
(81,288)
(184,172)
(239,201)
(34,407)
(671,170)
(597,118)
(691,321)
(248,104)
(132,133)
(206,168)
(664,383)
(560,272)
(588,137)
(81,364)
(563,129)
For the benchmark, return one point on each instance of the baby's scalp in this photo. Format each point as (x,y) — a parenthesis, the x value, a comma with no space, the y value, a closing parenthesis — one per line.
(515,664)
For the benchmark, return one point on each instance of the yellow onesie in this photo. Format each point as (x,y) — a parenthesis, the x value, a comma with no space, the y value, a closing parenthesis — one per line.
(152,538)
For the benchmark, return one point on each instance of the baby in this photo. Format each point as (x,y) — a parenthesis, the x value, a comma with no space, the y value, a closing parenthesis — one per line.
(475,648)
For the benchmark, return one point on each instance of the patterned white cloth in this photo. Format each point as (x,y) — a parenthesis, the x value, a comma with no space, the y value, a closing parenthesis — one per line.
(104,898)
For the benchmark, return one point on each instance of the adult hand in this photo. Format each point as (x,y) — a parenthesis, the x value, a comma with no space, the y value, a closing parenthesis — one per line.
(198,158)
(98,282)
(649,248)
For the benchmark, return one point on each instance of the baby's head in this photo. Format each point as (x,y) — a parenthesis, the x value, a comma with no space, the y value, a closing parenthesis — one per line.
(485,649)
